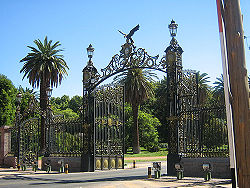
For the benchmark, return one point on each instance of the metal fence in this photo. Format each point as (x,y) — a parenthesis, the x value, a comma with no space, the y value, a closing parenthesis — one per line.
(64,137)
(203,133)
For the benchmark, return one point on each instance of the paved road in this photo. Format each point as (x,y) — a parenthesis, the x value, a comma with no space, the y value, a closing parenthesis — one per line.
(126,178)
(74,179)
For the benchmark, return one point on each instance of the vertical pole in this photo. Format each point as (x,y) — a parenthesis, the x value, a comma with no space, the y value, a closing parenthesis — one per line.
(123,125)
(239,87)
(18,138)
(227,90)
(173,78)
(94,133)
(84,159)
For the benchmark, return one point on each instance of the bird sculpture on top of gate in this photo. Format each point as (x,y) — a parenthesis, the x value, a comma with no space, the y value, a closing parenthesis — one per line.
(131,33)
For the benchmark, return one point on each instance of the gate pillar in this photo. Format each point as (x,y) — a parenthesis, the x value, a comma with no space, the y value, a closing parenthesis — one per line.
(90,74)
(5,147)
(174,72)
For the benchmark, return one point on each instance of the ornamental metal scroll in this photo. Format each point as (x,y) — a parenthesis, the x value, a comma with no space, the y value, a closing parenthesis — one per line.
(130,58)
(188,91)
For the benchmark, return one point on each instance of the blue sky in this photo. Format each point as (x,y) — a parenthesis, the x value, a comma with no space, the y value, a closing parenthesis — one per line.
(77,23)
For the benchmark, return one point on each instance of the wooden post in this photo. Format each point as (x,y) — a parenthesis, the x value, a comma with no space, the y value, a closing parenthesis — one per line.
(239,88)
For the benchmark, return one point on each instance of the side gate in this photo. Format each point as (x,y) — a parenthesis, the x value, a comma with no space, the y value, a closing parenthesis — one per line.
(109,127)
(29,142)
(103,129)
(25,141)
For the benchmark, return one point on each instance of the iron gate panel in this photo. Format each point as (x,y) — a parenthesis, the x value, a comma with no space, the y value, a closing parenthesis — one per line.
(29,141)
(109,127)
(64,137)
(202,132)
(187,100)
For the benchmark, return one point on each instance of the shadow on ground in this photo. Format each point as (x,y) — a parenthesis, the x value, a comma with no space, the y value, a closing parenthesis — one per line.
(187,182)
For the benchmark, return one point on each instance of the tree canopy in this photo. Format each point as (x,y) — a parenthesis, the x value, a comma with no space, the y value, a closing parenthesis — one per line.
(7,101)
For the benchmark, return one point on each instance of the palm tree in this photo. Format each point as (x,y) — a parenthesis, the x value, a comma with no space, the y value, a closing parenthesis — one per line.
(202,86)
(138,88)
(44,67)
(219,90)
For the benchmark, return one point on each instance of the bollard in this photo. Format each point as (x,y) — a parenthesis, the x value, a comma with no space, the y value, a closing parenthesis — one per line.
(66,168)
(157,169)
(159,173)
(18,167)
(23,167)
(179,175)
(156,174)
(34,166)
(179,171)
(207,175)
(149,172)
(61,169)
(134,164)
(61,163)
(48,166)
(208,171)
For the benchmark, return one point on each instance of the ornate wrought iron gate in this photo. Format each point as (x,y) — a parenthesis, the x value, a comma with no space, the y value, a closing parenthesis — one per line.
(109,127)
(182,103)
(103,129)
(29,141)
(25,141)
(25,135)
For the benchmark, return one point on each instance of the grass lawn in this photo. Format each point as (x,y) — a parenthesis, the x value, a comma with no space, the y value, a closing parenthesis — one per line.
(145,153)
(146,160)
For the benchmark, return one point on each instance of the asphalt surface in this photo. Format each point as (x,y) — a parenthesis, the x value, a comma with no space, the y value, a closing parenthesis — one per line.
(128,177)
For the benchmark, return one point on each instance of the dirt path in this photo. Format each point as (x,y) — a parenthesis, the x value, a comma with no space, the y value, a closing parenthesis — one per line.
(145,158)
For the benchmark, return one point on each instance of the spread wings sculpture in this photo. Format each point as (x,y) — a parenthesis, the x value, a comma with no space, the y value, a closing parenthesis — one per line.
(131,33)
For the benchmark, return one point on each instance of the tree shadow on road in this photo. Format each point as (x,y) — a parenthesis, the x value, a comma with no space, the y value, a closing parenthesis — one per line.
(44,180)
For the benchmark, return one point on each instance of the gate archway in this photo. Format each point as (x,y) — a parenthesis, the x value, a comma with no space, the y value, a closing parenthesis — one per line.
(181,94)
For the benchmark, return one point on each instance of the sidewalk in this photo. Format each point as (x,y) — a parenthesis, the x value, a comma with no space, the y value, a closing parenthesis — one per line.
(164,181)
(14,171)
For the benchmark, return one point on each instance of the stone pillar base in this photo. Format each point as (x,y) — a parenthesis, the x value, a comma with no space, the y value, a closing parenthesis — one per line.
(172,159)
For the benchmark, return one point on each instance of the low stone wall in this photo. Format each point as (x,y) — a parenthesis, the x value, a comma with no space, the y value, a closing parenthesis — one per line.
(10,161)
(73,162)
(5,148)
(193,167)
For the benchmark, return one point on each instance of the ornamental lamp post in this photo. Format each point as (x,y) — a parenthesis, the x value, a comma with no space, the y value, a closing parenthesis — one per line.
(19,98)
(173,28)
(48,93)
(90,51)
(174,75)
(89,72)
(48,118)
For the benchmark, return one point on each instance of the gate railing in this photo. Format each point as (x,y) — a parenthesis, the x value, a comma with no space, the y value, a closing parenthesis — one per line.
(64,137)
(203,133)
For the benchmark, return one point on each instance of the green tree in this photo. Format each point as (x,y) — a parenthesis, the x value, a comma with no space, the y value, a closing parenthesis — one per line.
(44,67)
(61,103)
(29,104)
(161,109)
(67,113)
(75,103)
(215,133)
(138,88)
(7,101)
(203,87)
(218,91)
(147,124)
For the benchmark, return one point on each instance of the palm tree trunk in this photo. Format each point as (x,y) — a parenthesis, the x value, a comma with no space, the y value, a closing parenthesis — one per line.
(43,106)
(136,144)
